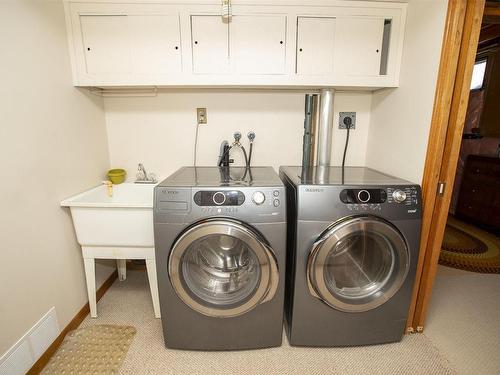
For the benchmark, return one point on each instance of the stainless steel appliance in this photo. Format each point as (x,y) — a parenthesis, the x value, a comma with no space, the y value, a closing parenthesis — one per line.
(352,255)
(220,239)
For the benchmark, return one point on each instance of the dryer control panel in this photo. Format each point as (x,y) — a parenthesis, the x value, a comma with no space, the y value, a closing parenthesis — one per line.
(397,195)
(363,196)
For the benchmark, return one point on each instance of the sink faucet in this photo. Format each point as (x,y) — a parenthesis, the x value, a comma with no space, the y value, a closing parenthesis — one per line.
(144,177)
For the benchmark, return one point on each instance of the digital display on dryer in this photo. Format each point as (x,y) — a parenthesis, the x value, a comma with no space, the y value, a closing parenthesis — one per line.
(362,196)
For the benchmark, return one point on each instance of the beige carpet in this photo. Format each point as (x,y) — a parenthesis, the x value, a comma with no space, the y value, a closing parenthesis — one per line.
(129,303)
(463,320)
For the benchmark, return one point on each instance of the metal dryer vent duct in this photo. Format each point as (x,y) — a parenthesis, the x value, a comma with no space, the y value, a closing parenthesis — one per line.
(310,131)
(318,128)
(325,128)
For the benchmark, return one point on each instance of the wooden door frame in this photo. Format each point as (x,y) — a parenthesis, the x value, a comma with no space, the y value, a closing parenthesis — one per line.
(460,39)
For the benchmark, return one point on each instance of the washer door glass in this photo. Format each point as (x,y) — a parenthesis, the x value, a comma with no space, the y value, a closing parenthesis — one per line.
(358,264)
(222,268)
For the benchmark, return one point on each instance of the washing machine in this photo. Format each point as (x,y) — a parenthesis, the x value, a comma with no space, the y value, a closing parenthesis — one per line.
(353,243)
(220,242)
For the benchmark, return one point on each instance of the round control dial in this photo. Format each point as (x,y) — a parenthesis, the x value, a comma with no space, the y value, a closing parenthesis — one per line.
(364,196)
(219,198)
(258,197)
(399,196)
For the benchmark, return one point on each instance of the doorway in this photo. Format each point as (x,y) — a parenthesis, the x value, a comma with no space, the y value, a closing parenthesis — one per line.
(460,148)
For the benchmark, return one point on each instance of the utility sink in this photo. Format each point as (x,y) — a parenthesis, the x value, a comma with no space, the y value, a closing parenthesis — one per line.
(125,219)
(115,227)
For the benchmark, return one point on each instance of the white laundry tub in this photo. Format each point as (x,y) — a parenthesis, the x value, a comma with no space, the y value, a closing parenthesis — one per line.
(118,227)
(125,219)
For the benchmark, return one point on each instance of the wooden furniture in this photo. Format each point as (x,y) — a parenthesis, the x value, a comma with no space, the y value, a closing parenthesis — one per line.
(479,197)
(318,43)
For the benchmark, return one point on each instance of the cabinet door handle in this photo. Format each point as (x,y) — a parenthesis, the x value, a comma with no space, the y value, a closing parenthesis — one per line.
(281,42)
(300,49)
(195,42)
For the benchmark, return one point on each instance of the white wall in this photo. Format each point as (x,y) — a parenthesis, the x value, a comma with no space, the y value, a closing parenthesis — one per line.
(52,145)
(160,131)
(400,118)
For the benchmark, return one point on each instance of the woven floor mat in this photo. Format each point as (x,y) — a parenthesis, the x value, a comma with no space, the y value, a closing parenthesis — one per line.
(97,349)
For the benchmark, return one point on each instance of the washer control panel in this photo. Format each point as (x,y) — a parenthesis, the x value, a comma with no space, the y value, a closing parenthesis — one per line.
(219,198)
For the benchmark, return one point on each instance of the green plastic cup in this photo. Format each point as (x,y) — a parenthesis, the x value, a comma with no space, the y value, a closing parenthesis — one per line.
(117,176)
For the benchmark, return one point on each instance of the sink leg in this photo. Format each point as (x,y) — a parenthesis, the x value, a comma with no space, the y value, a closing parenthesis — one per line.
(153,285)
(121,264)
(89,264)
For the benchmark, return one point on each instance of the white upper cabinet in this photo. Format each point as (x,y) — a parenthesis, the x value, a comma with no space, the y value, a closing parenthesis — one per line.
(156,44)
(258,44)
(106,44)
(358,46)
(120,46)
(314,43)
(210,44)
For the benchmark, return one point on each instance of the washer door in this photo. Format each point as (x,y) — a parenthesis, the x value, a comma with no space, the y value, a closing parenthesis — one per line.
(358,264)
(222,268)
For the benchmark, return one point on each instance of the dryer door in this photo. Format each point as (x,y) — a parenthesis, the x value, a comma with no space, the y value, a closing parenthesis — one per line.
(222,268)
(358,264)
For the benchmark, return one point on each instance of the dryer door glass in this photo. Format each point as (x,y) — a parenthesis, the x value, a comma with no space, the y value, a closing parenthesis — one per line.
(222,268)
(358,264)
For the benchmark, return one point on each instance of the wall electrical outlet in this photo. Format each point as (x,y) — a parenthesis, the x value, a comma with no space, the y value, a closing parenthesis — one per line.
(347,119)
(201,114)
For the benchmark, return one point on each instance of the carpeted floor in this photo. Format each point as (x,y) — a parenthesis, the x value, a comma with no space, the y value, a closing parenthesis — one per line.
(463,320)
(129,303)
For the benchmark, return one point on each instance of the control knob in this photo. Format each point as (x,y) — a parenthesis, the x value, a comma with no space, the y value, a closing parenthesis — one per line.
(258,197)
(399,196)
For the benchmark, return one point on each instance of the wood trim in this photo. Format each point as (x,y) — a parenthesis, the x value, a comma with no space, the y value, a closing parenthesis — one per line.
(448,164)
(452,40)
(73,324)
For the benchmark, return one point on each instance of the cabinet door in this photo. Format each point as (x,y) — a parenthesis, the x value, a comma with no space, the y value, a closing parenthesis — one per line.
(155,44)
(315,45)
(358,46)
(210,43)
(258,44)
(106,43)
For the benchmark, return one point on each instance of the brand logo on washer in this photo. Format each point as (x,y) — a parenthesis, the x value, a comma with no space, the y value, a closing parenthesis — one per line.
(412,211)
(314,190)
(172,192)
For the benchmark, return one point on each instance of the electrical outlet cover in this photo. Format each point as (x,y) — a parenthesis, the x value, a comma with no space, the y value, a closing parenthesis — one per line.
(201,114)
(343,116)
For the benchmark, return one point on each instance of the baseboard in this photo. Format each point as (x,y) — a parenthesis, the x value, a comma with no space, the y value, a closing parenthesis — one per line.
(73,324)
